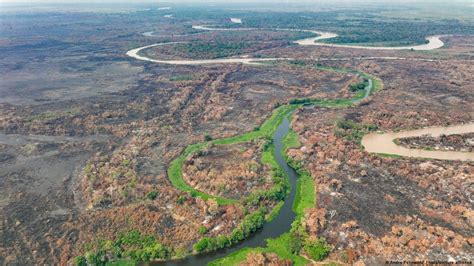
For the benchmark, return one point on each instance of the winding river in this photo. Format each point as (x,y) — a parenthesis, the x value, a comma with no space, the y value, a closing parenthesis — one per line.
(378,143)
(434,42)
(384,143)
(279,225)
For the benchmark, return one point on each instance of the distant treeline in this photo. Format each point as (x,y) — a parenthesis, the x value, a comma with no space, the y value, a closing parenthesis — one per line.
(351,25)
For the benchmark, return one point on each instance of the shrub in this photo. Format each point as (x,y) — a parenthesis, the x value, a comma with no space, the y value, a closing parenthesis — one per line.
(346,124)
(357,87)
(250,224)
(202,230)
(297,62)
(152,195)
(80,261)
(222,241)
(181,199)
(317,249)
(295,243)
(129,245)
(300,101)
(353,131)
(125,162)
(207,137)
(201,245)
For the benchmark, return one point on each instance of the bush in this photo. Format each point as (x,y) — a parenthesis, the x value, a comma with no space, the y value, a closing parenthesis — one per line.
(152,195)
(128,245)
(300,101)
(297,236)
(125,162)
(207,137)
(250,224)
(346,124)
(295,243)
(181,199)
(202,230)
(80,261)
(222,241)
(357,87)
(353,131)
(96,258)
(201,245)
(317,249)
(297,62)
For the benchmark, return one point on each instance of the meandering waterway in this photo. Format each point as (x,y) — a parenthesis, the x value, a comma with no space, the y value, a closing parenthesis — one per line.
(434,42)
(279,225)
(384,143)
(380,143)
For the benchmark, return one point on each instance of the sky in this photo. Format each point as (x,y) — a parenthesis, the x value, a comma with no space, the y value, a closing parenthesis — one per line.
(229,1)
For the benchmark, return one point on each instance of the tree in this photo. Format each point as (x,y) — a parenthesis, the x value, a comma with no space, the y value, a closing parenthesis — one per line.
(317,249)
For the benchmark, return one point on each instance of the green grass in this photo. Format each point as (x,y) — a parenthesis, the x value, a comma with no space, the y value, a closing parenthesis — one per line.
(305,194)
(305,198)
(336,69)
(376,83)
(277,245)
(235,257)
(280,247)
(269,158)
(291,140)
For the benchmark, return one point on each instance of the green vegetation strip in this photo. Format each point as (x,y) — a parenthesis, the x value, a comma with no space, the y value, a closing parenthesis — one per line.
(132,244)
(139,247)
(267,129)
(290,244)
(305,198)
(291,140)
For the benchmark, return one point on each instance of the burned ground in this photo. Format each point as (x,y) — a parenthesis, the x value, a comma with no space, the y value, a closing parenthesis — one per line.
(455,142)
(232,171)
(377,208)
(71,99)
